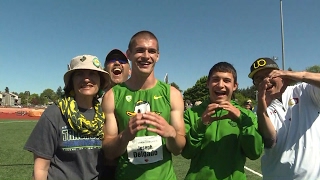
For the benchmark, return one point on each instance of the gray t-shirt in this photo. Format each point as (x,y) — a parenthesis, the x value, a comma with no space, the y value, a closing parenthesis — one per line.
(72,155)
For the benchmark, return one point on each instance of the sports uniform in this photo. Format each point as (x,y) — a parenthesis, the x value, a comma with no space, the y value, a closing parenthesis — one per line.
(147,156)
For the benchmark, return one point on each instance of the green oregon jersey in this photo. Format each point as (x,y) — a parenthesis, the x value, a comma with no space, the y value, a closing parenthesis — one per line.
(127,104)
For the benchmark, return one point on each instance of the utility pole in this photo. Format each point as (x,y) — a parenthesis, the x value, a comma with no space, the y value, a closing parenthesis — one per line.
(282,35)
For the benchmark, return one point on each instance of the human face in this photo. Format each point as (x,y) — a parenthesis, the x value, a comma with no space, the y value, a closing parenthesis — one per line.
(221,86)
(144,55)
(247,106)
(119,70)
(272,86)
(86,83)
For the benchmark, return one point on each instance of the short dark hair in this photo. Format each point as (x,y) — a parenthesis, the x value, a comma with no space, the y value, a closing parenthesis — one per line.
(223,67)
(144,34)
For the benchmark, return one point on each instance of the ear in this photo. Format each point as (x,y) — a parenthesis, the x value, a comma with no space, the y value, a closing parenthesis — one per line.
(235,87)
(158,57)
(128,54)
(129,71)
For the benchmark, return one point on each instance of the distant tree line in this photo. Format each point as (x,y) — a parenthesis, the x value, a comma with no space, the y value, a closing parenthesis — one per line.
(198,92)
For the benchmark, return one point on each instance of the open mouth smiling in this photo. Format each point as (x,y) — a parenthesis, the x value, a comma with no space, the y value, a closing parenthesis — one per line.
(116,71)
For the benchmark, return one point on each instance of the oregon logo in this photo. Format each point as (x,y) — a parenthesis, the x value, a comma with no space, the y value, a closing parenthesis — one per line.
(96,62)
(259,63)
(141,107)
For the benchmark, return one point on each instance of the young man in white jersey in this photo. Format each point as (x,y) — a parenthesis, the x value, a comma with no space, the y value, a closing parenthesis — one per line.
(288,120)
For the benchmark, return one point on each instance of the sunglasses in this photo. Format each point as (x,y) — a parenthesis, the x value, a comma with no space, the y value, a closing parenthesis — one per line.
(121,61)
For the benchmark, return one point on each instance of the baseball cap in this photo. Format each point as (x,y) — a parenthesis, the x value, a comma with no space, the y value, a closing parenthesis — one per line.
(262,63)
(115,53)
(88,62)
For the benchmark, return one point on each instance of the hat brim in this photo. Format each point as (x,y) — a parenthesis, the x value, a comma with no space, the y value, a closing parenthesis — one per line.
(259,69)
(105,76)
(115,51)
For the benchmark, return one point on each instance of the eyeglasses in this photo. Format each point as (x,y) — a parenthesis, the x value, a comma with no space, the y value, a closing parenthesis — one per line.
(121,61)
(258,79)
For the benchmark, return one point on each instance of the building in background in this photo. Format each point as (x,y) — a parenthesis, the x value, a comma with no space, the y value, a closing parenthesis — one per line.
(9,99)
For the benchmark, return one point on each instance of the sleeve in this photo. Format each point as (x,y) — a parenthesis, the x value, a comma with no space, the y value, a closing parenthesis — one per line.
(250,138)
(43,139)
(195,131)
(314,93)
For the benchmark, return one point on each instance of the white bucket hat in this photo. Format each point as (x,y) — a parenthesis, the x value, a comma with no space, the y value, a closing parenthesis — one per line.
(86,62)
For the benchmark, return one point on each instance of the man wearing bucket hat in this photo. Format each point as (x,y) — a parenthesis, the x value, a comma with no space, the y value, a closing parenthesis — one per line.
(289,121)
(117,65)
(68,134)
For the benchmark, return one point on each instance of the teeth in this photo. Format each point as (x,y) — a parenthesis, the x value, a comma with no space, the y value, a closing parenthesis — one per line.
(86,86)
(220,93)
(117,70)
(144,63)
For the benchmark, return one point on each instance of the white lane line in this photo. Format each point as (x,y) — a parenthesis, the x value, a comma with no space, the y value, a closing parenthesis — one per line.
(15,121)
(254,172)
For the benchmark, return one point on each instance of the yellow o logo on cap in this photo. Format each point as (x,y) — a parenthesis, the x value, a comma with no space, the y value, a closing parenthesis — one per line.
(259,63)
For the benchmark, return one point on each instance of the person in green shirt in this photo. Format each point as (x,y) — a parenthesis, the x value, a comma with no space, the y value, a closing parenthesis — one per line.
(220,133)
(144,117)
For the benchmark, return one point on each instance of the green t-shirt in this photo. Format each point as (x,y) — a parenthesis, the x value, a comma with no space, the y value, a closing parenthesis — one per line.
(127,104)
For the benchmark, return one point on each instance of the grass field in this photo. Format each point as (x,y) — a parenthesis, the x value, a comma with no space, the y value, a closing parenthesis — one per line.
(16,163)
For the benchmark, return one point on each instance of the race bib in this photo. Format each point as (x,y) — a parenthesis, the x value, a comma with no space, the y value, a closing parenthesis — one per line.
(145,150)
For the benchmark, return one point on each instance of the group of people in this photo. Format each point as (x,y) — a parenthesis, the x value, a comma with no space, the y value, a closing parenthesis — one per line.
(139,122)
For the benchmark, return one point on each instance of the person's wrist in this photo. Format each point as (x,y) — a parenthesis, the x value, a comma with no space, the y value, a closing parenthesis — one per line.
(205,122)
(173,133)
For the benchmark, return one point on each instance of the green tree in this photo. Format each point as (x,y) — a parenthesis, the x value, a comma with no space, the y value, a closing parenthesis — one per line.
(176,86)
(249,92)
(48,95)
(34,99)
(23,98)
(6,90)
(315,69)
(198,92)
(27,94)
(59,92)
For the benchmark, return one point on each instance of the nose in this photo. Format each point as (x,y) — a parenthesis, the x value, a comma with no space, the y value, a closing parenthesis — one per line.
(86,76)
(220,83)
(117,62)
(146,54)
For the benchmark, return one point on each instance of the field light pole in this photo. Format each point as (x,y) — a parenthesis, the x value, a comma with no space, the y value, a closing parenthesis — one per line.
(282,35)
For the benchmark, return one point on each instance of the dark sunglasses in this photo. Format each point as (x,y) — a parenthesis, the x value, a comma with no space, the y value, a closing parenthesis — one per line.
(121,61)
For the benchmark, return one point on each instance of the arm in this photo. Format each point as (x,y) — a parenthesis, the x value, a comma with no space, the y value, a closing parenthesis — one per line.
(43,141)
(303,76)
(195,133)
(265,126)
(196,127)
(176,143)
(114,144)
(250,139)
(41,167)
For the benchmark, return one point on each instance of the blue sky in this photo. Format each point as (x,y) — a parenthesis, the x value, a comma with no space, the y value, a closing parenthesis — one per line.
(38,38)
